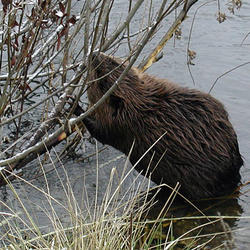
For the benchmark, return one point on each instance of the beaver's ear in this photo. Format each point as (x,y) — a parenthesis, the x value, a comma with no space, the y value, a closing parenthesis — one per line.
(117,103)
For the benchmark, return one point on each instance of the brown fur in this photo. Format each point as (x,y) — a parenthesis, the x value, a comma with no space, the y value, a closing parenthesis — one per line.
(200,148)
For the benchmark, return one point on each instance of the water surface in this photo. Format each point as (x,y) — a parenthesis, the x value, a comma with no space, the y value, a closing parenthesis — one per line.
(219,49)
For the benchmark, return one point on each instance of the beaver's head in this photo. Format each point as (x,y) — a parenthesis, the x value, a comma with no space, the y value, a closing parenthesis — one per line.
(105,71)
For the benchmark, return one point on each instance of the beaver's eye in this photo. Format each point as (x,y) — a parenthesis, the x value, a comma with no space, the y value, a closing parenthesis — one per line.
(102,85)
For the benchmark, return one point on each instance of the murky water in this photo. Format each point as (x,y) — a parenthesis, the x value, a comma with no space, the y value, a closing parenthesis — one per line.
(219,49)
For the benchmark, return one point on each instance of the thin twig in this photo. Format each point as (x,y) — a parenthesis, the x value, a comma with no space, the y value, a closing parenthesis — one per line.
(229,71)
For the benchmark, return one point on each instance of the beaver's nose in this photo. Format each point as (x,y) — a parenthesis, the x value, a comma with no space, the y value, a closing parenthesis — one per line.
(96,54)
(95,58)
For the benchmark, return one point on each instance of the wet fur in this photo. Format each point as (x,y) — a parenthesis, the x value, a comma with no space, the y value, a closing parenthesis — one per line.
(200,148)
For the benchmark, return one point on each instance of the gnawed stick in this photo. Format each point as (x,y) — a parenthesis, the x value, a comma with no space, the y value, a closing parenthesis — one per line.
(154,54)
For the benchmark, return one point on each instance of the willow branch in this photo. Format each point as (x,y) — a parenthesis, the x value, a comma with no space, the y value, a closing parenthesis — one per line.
(122,27)
(55,138)
(153,56)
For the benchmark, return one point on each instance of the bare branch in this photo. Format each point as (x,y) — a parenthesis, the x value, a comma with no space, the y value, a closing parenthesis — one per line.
(54,38)
(153,56)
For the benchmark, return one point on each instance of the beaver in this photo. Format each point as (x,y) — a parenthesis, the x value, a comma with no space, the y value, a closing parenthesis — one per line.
(183,134)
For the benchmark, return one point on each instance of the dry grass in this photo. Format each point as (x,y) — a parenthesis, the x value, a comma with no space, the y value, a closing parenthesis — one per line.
(114,223)
(118,221)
